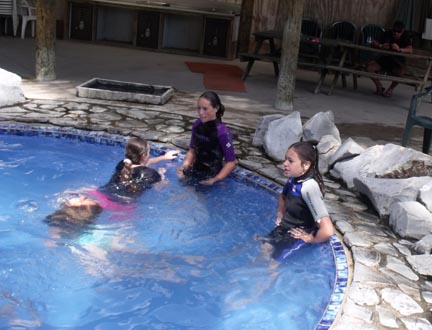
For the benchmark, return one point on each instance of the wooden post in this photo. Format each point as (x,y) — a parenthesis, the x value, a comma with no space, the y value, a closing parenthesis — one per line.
(45,39)
(246,18)
(289,55)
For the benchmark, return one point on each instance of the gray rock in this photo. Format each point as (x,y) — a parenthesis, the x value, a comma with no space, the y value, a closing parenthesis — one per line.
(327,146)
(250,165)
(425,196)
(262,128)
(422,263)
(319,125)
(363,295)
(399,267)
(10,89)
(410,219)
(424,246)
(344,227)
(182,142)
(369,276)
(346,151)
(400,301)
(357,239)
(365,256)
(386,317)
(352,310)
(270,171)
(402,249)
(427,296)
(281,134)
(417,323)
(411,291)
(386,248)
(388,161)
(385,192)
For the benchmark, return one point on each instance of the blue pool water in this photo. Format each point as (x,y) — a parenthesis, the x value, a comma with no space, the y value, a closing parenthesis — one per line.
(184,258)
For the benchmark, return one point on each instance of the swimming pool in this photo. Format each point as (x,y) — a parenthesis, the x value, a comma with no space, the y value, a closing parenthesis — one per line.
(184,258)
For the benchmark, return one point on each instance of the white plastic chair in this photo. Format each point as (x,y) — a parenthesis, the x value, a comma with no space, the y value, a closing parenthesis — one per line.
(28,14)
(8,9)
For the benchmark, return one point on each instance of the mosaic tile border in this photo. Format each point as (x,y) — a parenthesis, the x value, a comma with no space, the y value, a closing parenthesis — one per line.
(341,279)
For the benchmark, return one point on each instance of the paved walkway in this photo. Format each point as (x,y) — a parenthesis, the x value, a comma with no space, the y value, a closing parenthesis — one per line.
(385,292)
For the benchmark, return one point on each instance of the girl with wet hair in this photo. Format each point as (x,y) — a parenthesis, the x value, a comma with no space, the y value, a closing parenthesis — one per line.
(302,216)
(131,177)
(211,156)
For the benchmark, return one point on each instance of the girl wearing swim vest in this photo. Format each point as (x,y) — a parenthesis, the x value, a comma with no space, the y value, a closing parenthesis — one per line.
(211,155)
(301,214)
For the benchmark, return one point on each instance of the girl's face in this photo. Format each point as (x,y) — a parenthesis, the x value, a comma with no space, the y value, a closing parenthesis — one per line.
(206,112)
(293,166)
(145,157)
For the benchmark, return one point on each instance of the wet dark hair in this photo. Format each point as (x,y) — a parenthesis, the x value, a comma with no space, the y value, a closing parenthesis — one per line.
(215,102)
(307,151)
(135,148)
(75,214)
(398,26)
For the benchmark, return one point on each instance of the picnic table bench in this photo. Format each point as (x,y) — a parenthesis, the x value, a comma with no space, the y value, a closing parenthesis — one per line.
(275,59)
(417,77)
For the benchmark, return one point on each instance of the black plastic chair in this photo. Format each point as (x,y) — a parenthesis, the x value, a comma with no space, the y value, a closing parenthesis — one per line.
(343,30)
(371,32)
(346,31)
(368,34)
(414,120)
(311,28)
(310,52)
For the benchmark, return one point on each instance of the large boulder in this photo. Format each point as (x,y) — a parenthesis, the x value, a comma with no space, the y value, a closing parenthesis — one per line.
(327,147)
(281,134)
(319,125)
(10,88)
(410,219)
(425,196)
(424,246)
(384,161)
(383,193)
(262,128)
(348,150)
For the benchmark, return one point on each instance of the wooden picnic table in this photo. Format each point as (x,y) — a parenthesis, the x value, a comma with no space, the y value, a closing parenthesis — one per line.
(274,53)
(418,79)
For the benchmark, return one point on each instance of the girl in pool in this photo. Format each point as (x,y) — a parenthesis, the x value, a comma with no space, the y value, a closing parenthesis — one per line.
(210,144)
(301,214)
(131,177)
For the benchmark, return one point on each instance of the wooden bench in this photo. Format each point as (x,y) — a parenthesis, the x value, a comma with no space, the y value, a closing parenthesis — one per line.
(275,59)
(412,81)
(252,57)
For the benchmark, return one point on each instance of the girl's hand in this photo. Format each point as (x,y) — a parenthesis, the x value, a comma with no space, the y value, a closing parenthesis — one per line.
(208,182)
(180,172)
(301,234)
(171,154)
(278,221)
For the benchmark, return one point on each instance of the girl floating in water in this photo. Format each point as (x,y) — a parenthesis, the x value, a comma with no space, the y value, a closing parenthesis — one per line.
(131,177)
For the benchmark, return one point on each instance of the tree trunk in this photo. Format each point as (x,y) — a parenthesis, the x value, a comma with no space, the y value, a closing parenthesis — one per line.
(45,39)
(289,55)
(245,26)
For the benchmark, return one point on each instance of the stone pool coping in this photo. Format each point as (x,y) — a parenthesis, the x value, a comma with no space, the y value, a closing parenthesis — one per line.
(341,265)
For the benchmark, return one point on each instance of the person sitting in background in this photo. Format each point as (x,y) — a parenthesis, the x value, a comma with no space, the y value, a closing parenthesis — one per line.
(396,40)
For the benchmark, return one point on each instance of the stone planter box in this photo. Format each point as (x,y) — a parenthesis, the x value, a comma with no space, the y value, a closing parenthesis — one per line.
(115,90)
